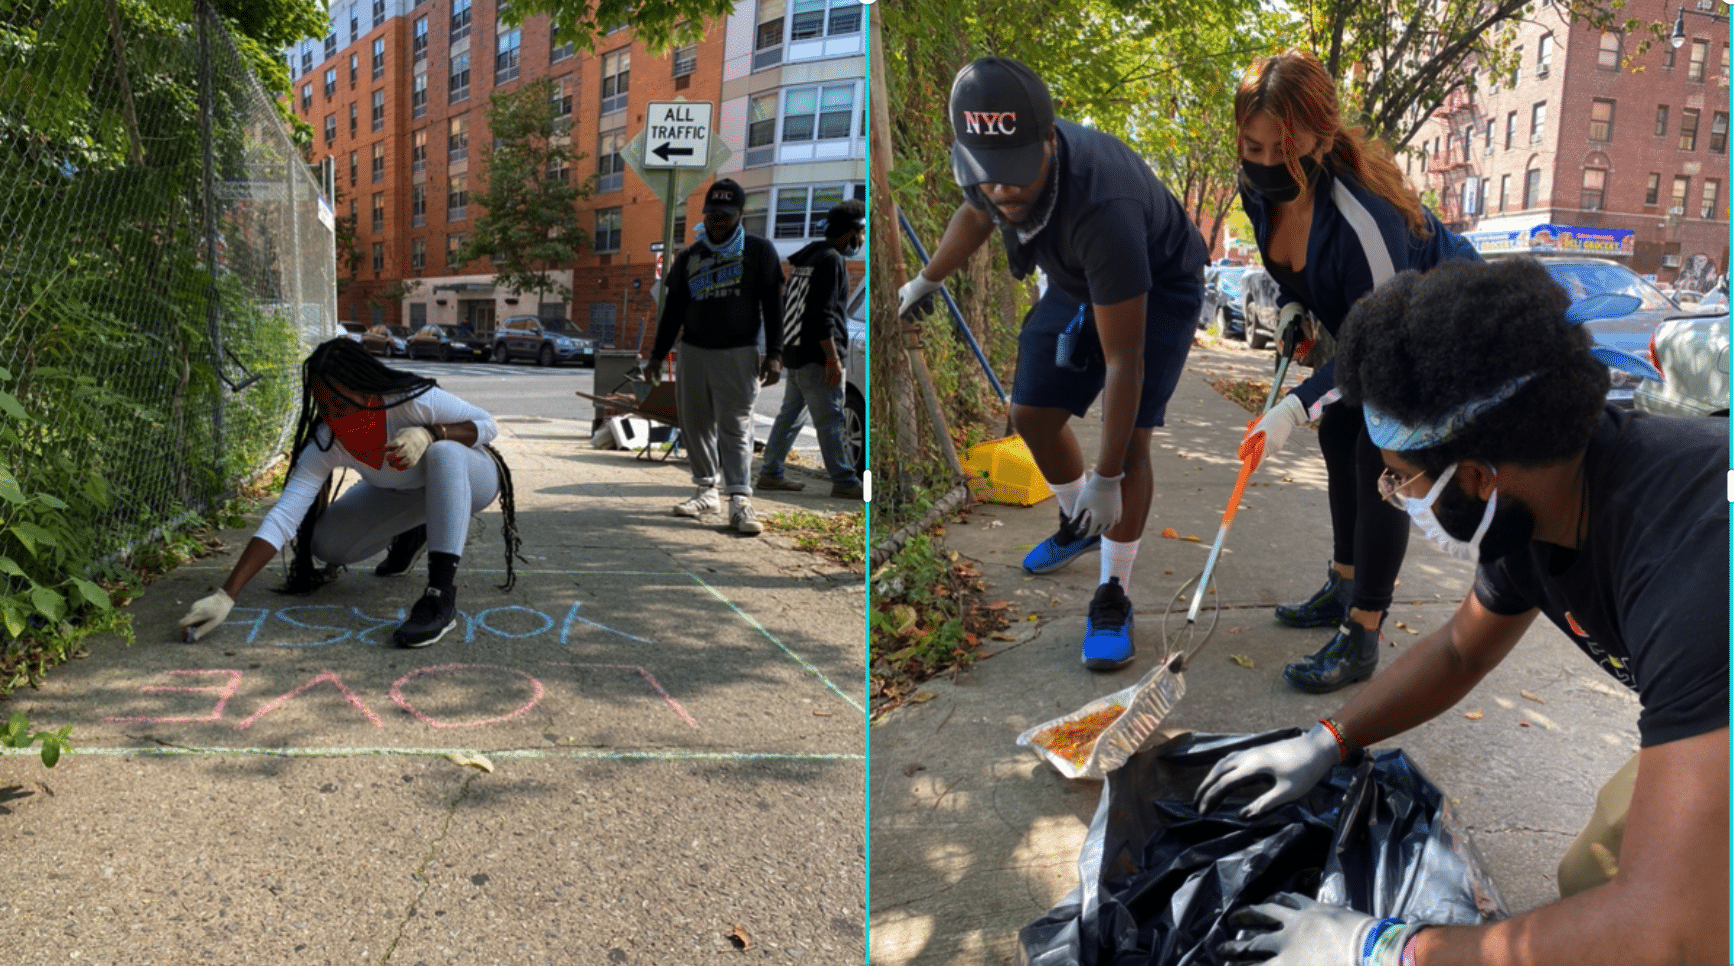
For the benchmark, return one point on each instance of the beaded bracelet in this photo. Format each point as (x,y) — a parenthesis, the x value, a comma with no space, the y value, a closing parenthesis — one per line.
(1336,731)
(1373,935)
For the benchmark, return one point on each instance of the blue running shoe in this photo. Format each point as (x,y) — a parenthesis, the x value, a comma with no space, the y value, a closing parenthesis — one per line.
(1108,629)
(1060,549)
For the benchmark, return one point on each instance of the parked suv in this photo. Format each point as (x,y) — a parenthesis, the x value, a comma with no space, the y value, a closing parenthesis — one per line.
(548,341)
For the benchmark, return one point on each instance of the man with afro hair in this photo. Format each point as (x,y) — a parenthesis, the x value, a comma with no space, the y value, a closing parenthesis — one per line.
(1487,401)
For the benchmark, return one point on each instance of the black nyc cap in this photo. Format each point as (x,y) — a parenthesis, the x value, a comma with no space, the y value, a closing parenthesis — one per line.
(1000,115)
(725,196)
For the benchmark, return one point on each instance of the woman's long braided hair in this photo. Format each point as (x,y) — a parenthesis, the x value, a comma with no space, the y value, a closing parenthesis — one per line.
(343,362)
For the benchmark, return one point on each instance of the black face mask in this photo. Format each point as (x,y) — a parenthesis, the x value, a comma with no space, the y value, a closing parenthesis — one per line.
(1512,529)
(1274,181)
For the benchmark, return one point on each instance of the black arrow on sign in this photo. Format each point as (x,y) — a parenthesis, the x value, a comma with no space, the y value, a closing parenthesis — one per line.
(664,152)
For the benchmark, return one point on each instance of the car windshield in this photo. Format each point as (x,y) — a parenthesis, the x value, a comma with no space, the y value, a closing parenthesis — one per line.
(1583,279)
(451,331)
(562,327)
(1229,278)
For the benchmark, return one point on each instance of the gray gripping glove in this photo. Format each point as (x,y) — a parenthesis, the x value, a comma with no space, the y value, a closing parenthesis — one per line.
(1098,507)
(1294,766)
(916,296)
(1293,930)
(206,614)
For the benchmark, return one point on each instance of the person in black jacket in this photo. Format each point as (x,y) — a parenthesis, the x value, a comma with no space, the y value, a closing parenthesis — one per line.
(720,294)
(815,340)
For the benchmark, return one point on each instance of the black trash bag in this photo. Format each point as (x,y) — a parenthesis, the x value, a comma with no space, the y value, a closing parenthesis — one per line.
(1156,879)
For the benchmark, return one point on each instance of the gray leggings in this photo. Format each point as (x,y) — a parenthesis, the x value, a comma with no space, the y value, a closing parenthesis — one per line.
(461,482)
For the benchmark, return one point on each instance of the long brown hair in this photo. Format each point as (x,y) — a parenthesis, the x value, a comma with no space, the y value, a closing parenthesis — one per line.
(1295,89)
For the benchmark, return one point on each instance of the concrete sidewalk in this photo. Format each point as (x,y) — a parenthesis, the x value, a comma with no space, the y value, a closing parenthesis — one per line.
(674,714)
(973,837)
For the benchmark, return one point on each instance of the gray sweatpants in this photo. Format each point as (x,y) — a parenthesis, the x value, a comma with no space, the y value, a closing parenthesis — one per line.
(461,482)
(716,389)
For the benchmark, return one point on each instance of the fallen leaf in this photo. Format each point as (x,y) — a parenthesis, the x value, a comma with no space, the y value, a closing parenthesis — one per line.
(739,937)
(1402,625)
(1168,572)
(1288,479)
(1412,630)
(478,762)
(1026,548)
(1241,659)
(1003,637)
(1234,630)
(1533,697)
(1169,533)
(1033,617)
(1523,724)
(821,714)
(1054,602)
(997,605)
(910,770)
(1474,715)
(1192,539)
(922,697)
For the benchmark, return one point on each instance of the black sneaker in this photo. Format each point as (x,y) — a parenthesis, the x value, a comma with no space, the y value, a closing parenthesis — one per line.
(434,614)
(1108,629)
(406,549)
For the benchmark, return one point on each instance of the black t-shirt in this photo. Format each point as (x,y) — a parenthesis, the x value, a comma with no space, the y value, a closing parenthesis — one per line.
(814,304)
(1115,231)
(1646,597)
(715,300)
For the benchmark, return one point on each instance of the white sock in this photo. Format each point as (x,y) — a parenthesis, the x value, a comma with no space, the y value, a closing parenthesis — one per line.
(1117,560)
(1068,494)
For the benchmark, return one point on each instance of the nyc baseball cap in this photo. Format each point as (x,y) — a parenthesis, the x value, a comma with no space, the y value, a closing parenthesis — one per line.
(1000,115)
(725,196)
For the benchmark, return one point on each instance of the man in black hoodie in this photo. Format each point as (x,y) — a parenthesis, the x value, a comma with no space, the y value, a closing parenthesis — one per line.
(815,340)
(719,293)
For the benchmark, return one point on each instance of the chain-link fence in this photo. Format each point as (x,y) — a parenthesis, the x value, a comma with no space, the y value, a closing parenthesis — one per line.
(165,264)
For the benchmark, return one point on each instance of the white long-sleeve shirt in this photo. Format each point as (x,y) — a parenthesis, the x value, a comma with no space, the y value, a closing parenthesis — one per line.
(325,455)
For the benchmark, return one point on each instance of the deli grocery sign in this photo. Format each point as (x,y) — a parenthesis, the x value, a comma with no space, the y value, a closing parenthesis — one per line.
(1576,239)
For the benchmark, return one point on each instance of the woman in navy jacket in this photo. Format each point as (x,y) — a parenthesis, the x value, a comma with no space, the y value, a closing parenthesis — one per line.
(1334,218)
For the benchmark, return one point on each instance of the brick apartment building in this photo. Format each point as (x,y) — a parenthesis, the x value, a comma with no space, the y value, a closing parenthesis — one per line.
(1589,132)
(397,96)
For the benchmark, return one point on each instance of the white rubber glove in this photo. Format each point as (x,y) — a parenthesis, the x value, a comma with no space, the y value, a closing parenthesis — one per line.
(1098,506)
(1277,424)
(1298,931)
(1291,314)
(407,447)
(1295,765)
(914,294)
(206,614)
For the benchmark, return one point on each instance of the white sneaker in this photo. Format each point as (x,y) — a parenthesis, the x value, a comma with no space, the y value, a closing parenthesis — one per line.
(742,517)
(702,502)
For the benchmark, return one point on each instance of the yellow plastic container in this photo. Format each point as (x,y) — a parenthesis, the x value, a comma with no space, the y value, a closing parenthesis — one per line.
(1003,471)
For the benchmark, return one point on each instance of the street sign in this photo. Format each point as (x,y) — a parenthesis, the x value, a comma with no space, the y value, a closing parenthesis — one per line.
(677,134)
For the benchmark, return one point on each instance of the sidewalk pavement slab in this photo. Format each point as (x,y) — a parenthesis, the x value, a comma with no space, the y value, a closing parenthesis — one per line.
(673,714)
(973,837)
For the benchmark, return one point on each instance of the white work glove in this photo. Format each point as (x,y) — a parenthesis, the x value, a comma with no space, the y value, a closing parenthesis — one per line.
(1293,930)
(206,614)
(1295,765)
(407,446)
(1098,506)
(1276,425)
(914,296)
(1292,316)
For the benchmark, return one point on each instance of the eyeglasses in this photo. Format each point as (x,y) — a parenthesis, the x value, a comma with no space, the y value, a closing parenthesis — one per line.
(1391,488)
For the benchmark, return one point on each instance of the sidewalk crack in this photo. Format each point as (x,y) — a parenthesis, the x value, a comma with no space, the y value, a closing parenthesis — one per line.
(421,870)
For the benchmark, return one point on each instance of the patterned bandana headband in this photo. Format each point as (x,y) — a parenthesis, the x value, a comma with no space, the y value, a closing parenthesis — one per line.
(1390,433)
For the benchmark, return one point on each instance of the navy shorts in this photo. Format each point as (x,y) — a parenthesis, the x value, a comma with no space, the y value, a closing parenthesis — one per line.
(1170,321)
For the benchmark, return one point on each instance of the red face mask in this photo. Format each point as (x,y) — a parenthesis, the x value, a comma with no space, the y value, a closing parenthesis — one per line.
(362,433)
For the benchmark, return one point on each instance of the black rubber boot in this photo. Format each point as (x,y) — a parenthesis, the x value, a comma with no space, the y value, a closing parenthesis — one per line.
(1352,654)
(1327,607)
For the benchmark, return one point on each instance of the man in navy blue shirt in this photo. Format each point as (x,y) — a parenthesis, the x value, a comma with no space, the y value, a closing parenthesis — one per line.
(1123,266)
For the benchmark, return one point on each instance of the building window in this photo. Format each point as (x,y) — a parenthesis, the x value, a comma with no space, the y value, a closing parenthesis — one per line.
(307,97)
(454,242)
(330,128)
(1712,194)
(330,82)
(1682,187)
(378,162)
(418,151)
(685,60)
(1516,68)
(418,96)
(1510,128)
(459,85)
(1661,120)
(354,121)
(417,205)
(1689,129)
(379,256)
(458,139)
(1608,57)
(354,65)
(460,20)
(801,211)
(506,48)
(354,25)
(616,72)
(418,46)
(755,212)
(353,166)
(1489,149)
(306,60)
(1544,55)
(330,46)
(560,169)
(610,169)
(378,57)
(557,51)
(1695,66)
(1652,188)
(418,257)
(1537,122)
(1724,65)
(607,237)
(1532,188)
(1594,184)
(1719,133)
(378,12)
(1601,120)
(379,110)
(1486,187)
(562,106)
(768,40)
(1466,197)
(822,113)
(378,212)
(458,199)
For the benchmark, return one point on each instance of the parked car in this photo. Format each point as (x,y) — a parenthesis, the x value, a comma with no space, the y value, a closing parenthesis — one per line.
(353,331)
(855,381)
(548,341)
(1715,301)
(447,342)
(1258,310)
(1222,300)
(386,340)
(1693,357)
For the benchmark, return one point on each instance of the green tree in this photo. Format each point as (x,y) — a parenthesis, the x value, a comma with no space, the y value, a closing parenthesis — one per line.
(658,24)
(529,226)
